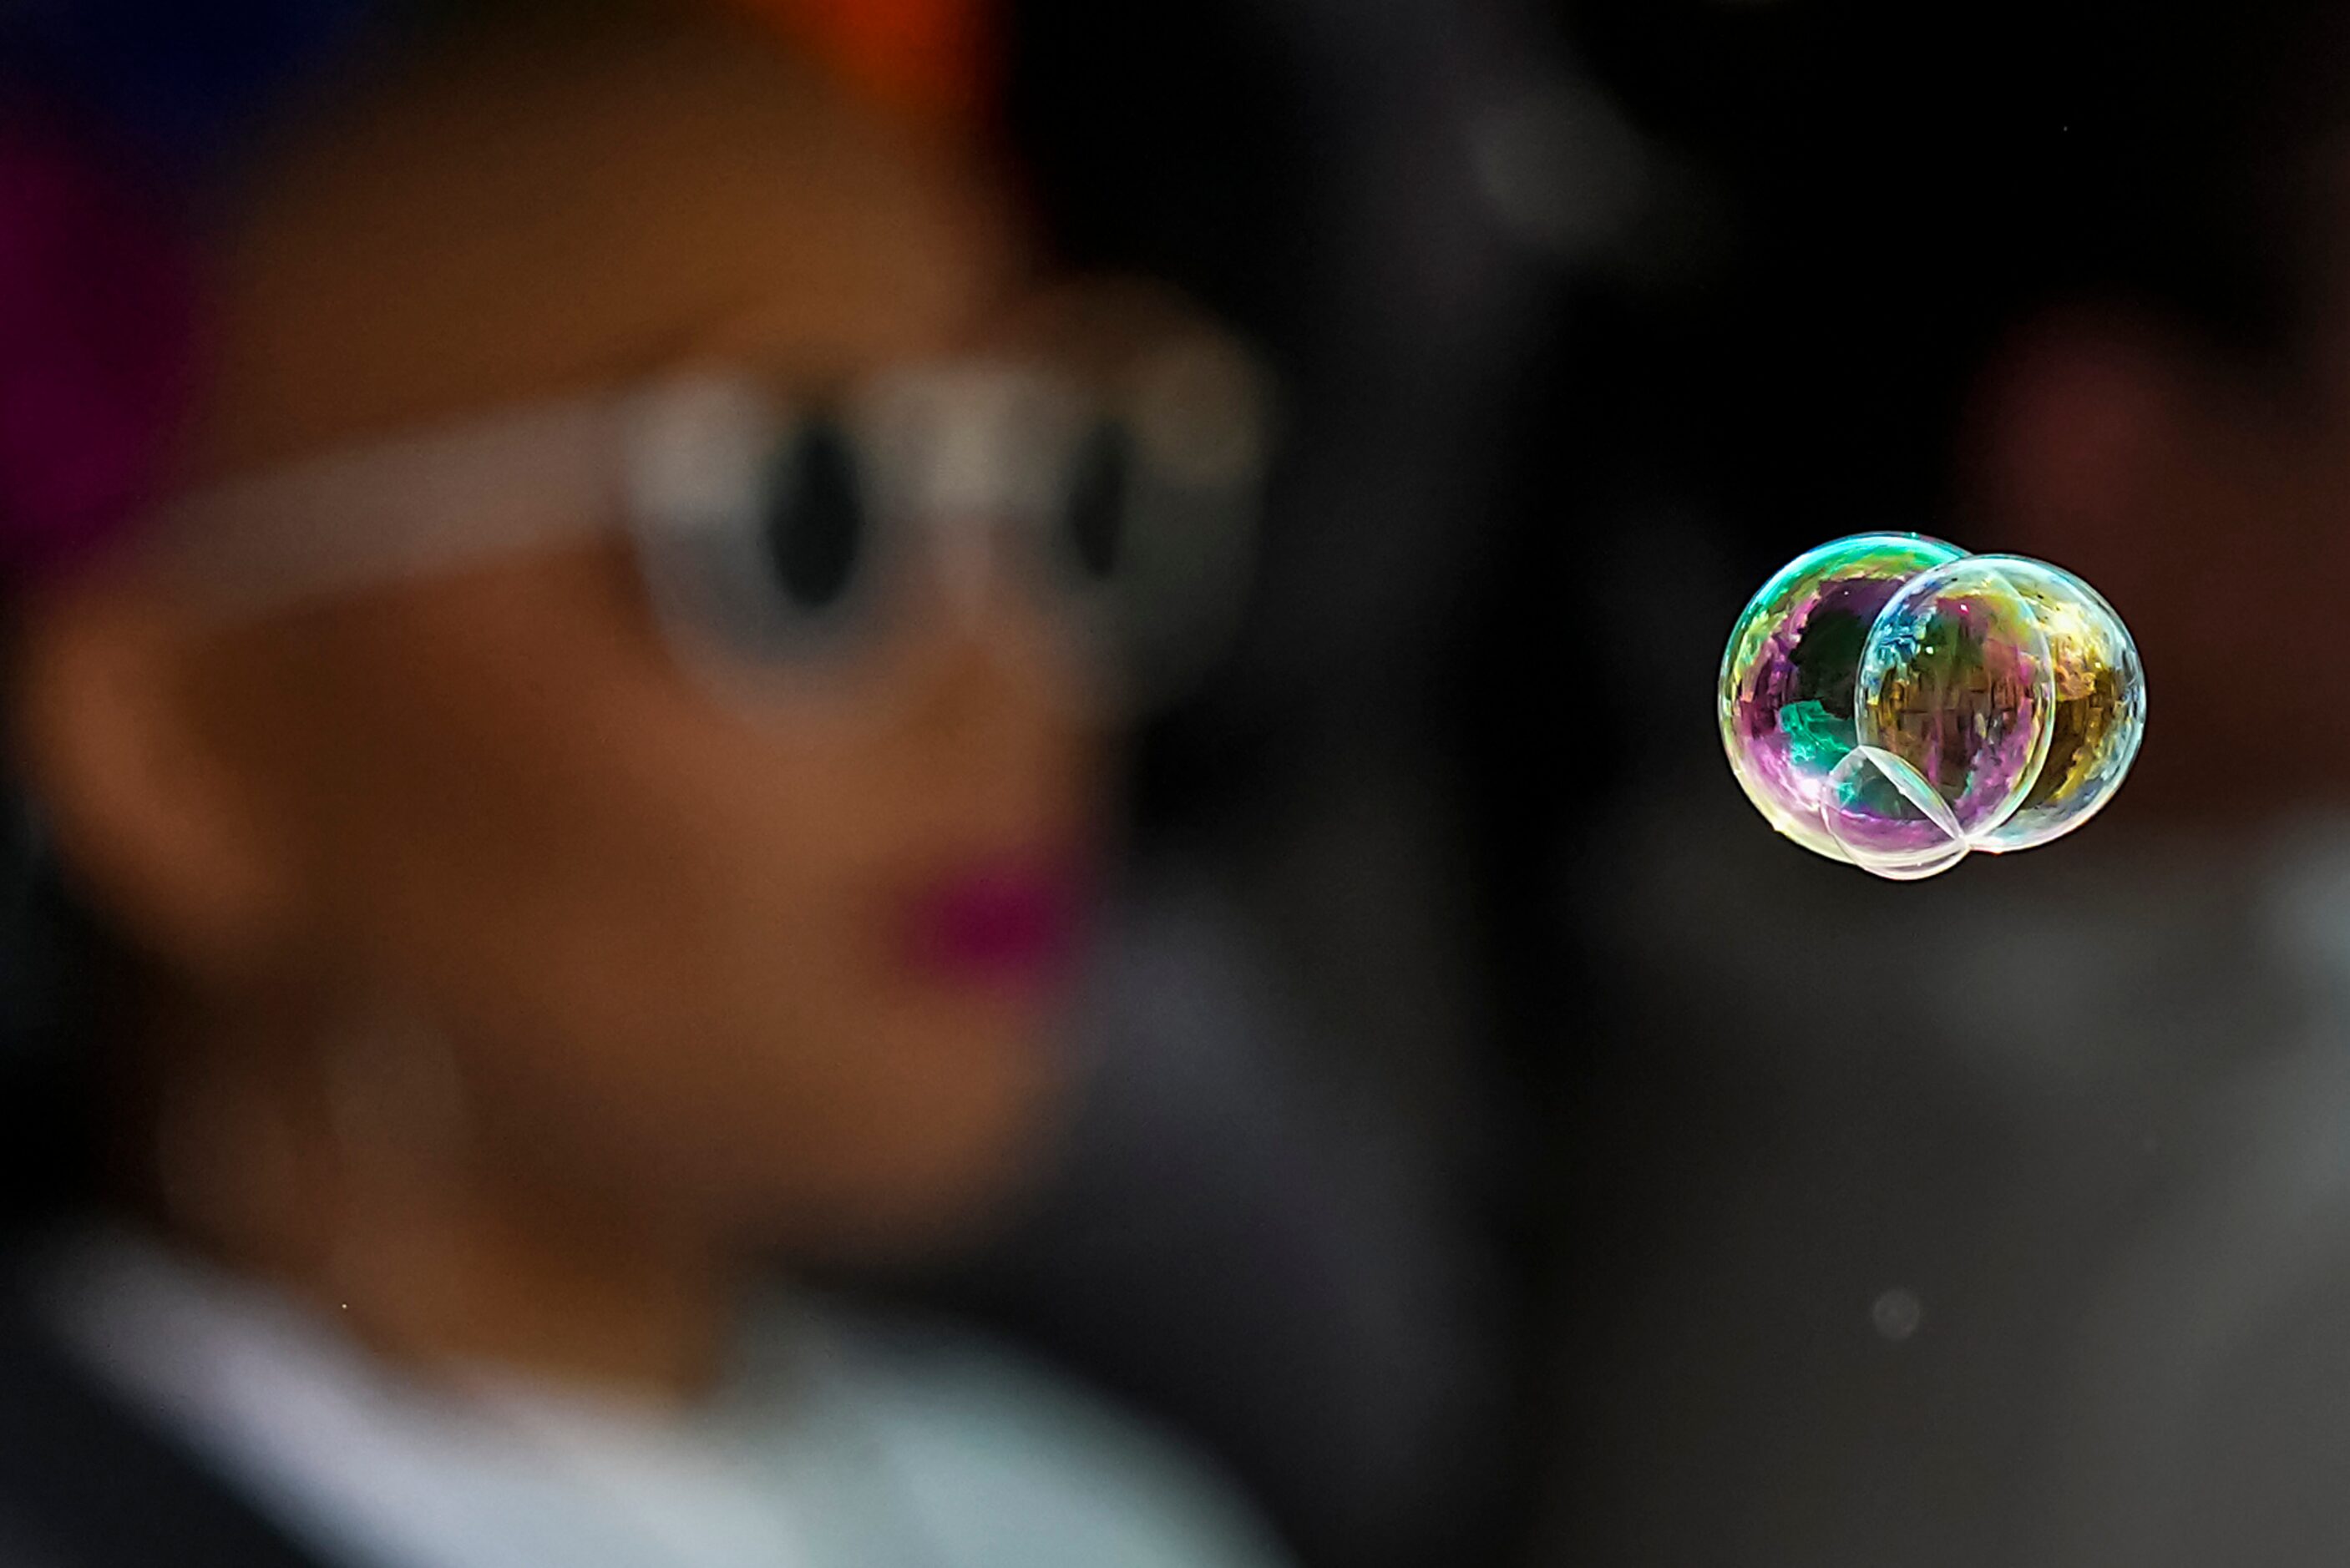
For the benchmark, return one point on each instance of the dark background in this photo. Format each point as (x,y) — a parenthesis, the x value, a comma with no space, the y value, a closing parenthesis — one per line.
(1807,1220)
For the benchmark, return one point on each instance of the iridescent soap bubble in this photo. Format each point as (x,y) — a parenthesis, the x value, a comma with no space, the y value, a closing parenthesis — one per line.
(2100,717)
(1954,680)
(1885,816)
(1788,677)
(1890,700)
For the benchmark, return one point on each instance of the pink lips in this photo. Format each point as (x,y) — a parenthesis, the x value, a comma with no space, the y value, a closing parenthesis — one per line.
(1007,925)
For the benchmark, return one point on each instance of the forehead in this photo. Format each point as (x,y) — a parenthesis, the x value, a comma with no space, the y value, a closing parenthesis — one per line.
(516,220)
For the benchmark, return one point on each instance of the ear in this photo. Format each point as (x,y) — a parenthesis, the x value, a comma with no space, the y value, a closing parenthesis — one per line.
(2074,430)
(150,811)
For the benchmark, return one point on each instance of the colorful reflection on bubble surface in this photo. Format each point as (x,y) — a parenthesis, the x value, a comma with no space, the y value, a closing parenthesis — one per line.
(1891,701)
(1788,679)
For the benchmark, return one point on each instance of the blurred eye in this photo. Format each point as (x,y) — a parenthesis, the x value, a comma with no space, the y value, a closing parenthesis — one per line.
(757,537)
(813,525)
(1099,502)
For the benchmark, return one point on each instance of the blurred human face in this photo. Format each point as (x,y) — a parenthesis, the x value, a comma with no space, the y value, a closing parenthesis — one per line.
(785,971)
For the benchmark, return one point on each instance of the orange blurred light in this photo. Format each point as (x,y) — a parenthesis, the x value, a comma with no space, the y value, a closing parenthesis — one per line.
(937,60)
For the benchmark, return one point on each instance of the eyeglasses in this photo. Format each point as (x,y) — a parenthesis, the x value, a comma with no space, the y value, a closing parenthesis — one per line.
(779,535)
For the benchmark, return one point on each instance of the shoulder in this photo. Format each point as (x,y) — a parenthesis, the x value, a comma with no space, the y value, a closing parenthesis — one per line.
(87,1480)
(1015,1464)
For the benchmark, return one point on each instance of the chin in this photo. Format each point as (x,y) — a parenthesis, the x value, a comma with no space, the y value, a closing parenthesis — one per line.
(923,1207)
(936,1160)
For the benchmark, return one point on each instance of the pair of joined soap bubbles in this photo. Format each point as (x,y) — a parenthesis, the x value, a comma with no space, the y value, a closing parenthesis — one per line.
(1892,701)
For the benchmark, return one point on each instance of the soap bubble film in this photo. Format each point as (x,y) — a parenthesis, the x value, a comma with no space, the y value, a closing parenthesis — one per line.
(1885,816)
(1890,700)
(1954,680)
(2100,704)
(1788,679)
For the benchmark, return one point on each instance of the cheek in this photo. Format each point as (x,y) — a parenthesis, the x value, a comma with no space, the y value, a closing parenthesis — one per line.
(665,937)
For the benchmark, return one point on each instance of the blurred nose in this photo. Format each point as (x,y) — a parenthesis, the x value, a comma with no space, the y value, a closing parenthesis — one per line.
(1006,707)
